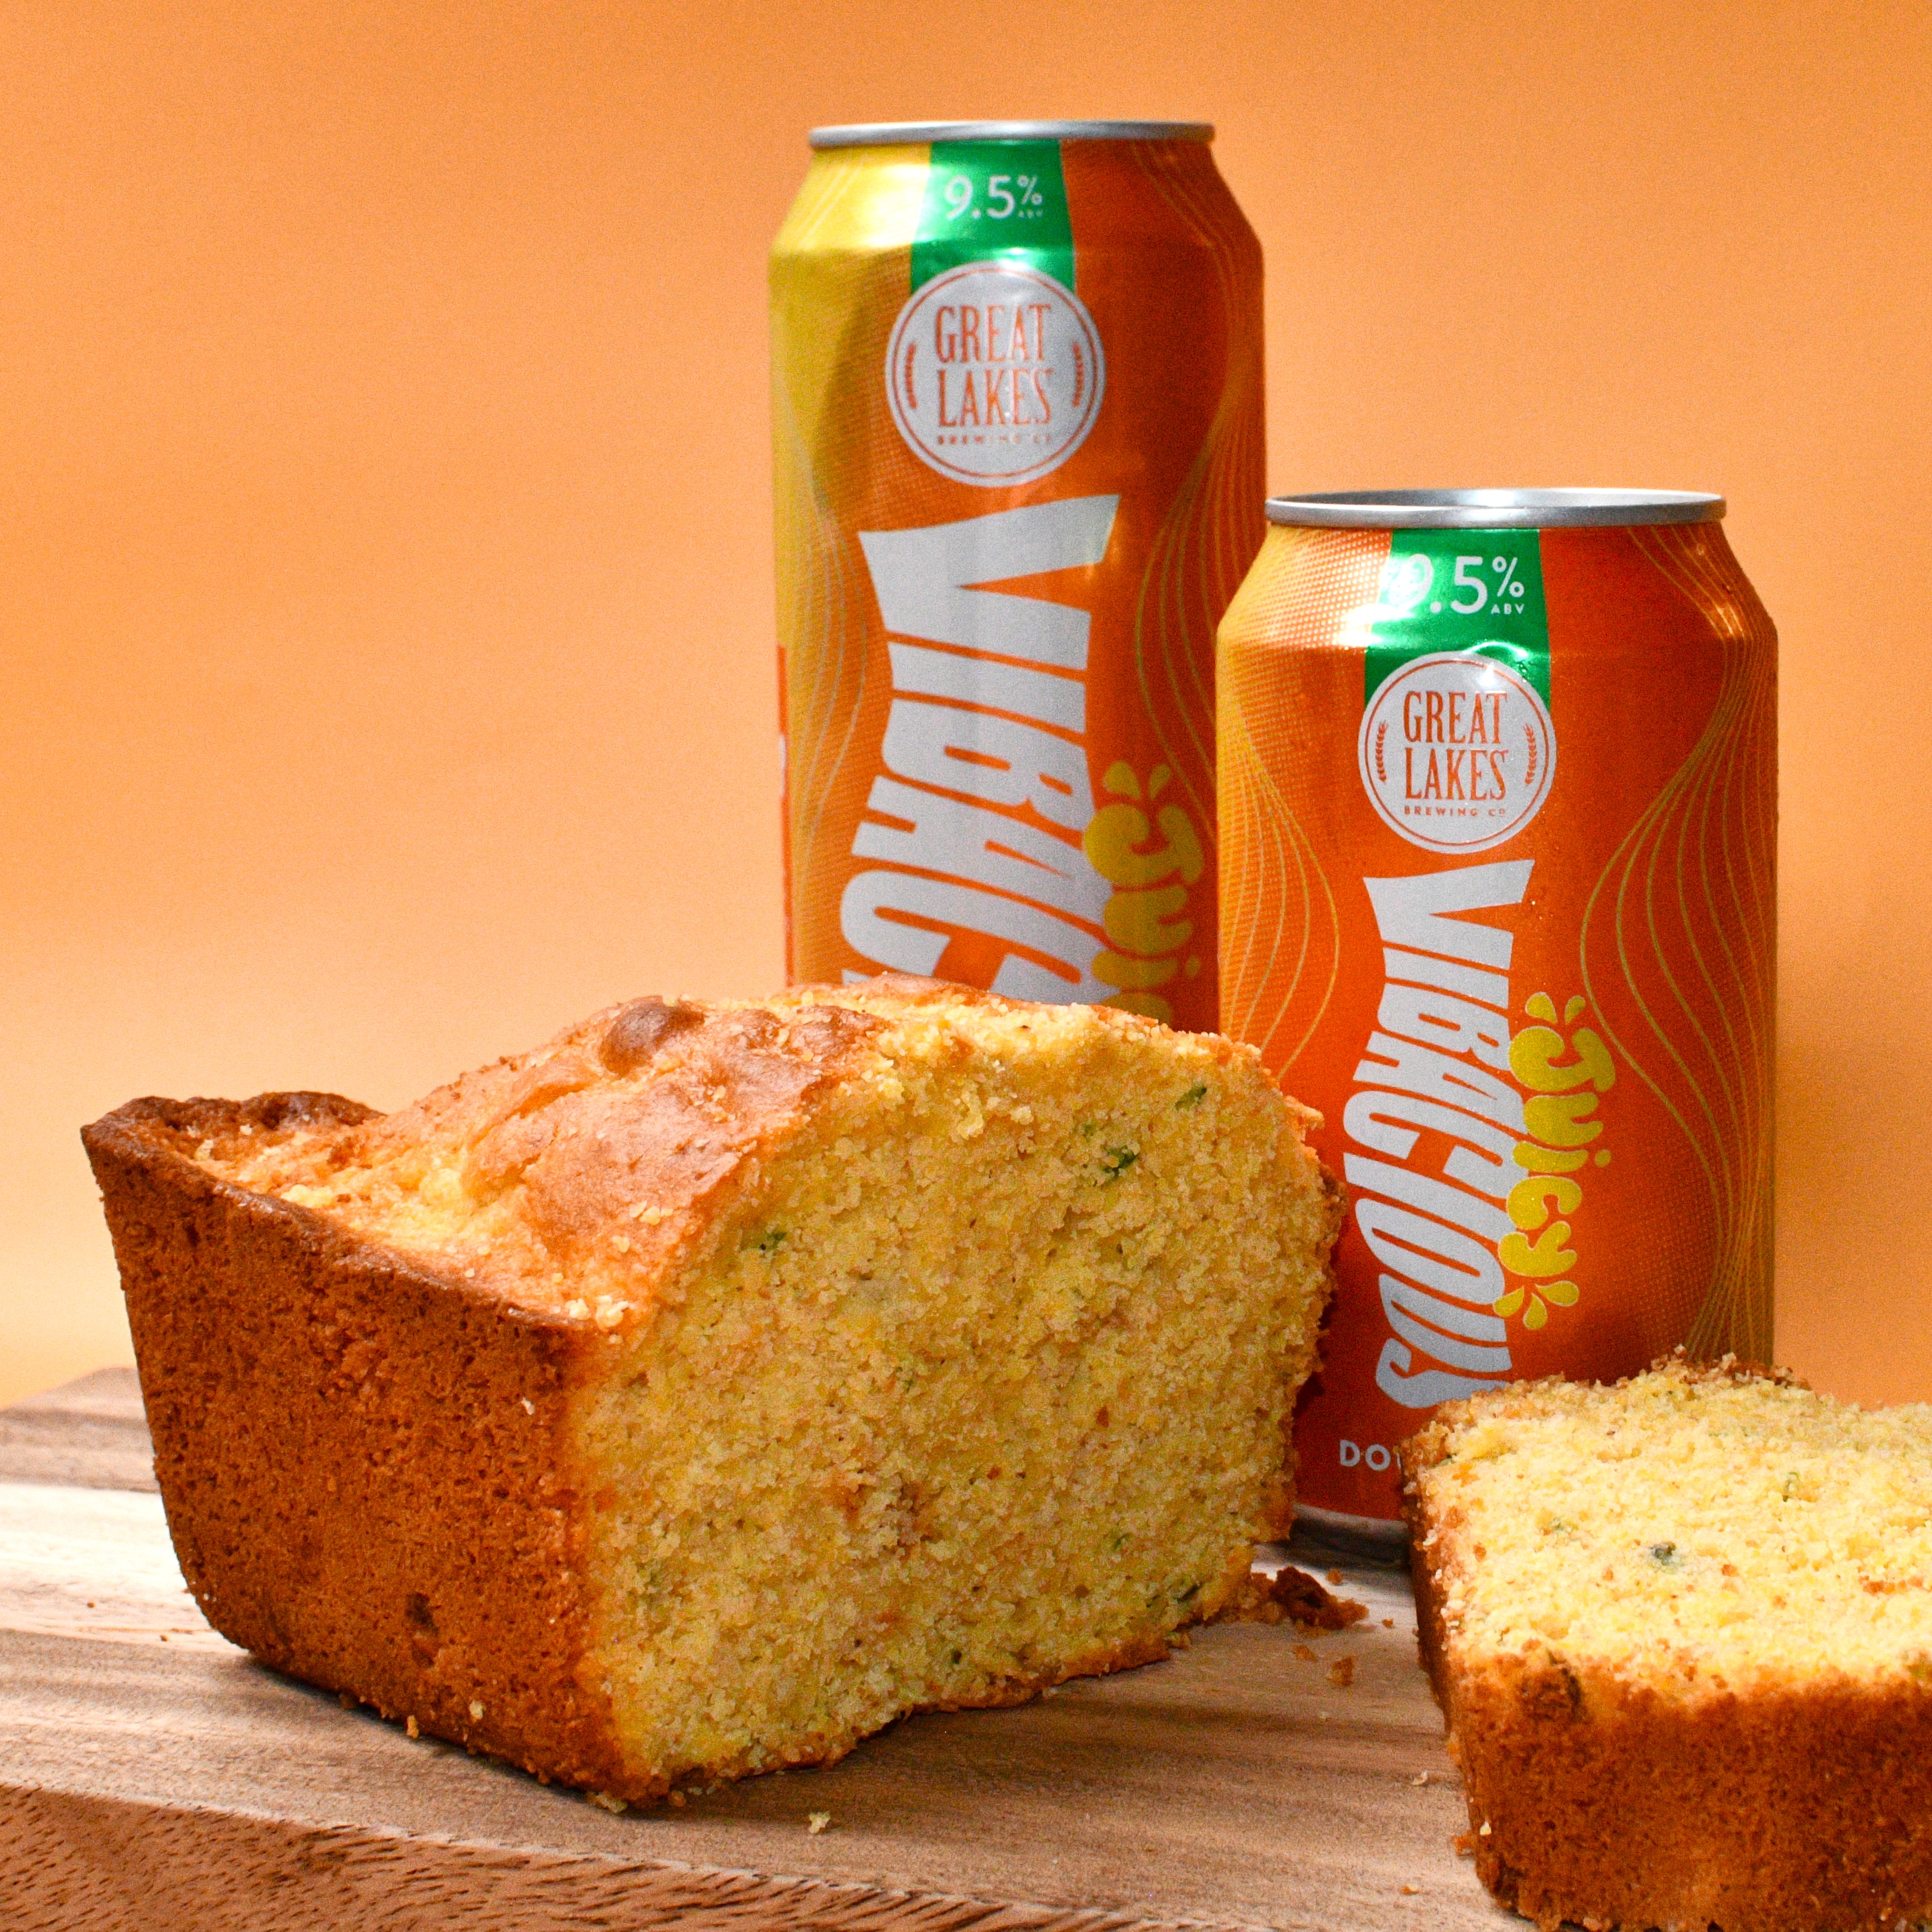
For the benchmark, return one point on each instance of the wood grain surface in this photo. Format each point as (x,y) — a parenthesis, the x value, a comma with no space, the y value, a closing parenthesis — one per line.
(90,1435)
(153,1776)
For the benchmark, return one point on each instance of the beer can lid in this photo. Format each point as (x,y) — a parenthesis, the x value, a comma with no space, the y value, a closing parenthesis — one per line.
(1491,509)
(900,134)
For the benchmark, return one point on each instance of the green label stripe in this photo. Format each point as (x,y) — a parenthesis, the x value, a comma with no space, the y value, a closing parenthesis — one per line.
(1476,591)
(993,201)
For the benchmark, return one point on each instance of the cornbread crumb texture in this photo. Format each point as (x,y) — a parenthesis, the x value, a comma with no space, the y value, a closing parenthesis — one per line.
(994,1374)
(1702,1531)
(927,1348)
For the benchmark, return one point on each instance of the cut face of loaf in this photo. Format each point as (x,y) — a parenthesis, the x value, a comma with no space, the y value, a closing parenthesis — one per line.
(1681,1630)
(709,1387)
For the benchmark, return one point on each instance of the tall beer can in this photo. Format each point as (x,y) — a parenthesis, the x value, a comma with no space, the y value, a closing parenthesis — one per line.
(1499,815)
(1017,404)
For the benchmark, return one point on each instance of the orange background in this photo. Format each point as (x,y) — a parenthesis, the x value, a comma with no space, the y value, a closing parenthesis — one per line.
(385,598)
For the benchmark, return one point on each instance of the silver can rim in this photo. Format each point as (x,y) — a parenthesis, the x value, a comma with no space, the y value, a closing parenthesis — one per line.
(904,134)
(1491,509)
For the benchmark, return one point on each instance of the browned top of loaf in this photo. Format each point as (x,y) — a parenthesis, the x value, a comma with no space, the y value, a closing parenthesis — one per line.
(601,1153)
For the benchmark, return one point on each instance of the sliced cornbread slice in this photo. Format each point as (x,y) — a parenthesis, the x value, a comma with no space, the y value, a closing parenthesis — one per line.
(709,1387)
(1681,1629)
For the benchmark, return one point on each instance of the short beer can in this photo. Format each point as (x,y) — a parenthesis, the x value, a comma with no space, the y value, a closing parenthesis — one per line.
(1497,781)
(1017,408)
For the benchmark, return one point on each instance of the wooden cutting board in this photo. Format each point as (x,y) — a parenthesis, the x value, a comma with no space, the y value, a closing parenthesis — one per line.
(152,1776)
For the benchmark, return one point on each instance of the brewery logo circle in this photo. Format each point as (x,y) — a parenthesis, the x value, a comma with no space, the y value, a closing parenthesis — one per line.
(1456,752)
(995,373)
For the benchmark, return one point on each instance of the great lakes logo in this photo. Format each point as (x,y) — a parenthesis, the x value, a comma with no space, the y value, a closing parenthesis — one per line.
(995,373)
(1456,752)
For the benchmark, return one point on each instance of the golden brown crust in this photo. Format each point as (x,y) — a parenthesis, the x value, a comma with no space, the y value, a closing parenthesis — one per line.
(673,1103)
(1606,1804)
(1596,1799)
(360,1459)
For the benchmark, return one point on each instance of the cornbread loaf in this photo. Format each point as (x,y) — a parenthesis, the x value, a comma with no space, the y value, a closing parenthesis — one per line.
(706,1389)
(1681,1630)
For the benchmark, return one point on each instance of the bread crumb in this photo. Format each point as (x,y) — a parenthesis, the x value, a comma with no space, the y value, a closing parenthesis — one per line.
(1388,1623)
(475,1711)
(576,1311)
(818,1821)
(529,1407)
(1335,1577)
(602,1799)
(1423,1779)
(1292,1595)
(1485,1831)
(677,1799)
(1342,1672)
(413,1728)
(1307,1656)
(1410,1891)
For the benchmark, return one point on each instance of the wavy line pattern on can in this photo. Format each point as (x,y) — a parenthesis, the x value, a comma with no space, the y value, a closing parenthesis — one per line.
(1700,864)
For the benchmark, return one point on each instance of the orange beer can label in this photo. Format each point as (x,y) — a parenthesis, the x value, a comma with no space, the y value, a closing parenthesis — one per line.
(1017,403)
(1498,811)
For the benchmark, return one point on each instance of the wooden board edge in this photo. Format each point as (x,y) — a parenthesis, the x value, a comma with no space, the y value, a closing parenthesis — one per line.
(90,1433)
(90,1864)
